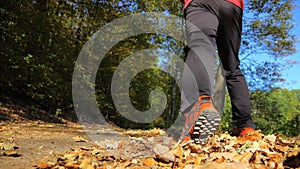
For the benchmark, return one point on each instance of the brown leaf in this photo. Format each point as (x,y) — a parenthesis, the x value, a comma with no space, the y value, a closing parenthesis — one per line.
(226,156)
(295,152)
(285,142)
(258,166)
(2,128)
(78,152)
(148,133)
(198,160)
(71,157)
(256,158)
(293,159)
(150,162)
(12,154)
(271,159)
(178,152)
(71,165)
(162,164)
(214,165)
(243,158)
(85,148)
(86,163)
(256,135)
(120,145)
(281,149)
(139,167)
(195,148)
(270,138)
(124,164)
(220,160)
(274,155)
(79,139)
(44,166)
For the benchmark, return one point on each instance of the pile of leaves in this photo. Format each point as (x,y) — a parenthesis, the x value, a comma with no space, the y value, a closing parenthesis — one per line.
(219,151)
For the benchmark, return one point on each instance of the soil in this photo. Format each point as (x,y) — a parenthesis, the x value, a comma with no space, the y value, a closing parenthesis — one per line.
(27,141)
(36,143)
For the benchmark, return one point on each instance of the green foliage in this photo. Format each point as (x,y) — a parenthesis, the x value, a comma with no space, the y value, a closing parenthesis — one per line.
(226,121)
(40,44)
(277,111)
(141,85)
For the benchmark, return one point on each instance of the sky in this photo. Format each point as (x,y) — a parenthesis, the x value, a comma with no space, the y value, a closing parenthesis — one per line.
(293,74)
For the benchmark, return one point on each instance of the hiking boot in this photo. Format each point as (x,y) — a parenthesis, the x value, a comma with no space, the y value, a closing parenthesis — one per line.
(242,131)
(201,121)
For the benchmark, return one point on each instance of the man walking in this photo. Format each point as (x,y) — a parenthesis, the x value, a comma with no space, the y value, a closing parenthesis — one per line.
(211,23)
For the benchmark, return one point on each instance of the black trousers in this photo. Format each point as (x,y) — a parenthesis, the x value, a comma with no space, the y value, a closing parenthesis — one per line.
(211,23)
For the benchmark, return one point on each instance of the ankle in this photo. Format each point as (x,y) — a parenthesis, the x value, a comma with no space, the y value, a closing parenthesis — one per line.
(205,98)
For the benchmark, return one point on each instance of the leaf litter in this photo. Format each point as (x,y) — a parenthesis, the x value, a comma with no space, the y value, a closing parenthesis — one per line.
(154,149)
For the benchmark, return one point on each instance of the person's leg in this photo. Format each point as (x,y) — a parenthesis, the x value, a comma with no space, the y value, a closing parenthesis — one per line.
(202,119)
(228,43)
(201,28)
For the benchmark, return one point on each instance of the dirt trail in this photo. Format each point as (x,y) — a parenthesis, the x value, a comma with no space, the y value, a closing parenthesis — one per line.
(30,138)
(41,143)
(37,143)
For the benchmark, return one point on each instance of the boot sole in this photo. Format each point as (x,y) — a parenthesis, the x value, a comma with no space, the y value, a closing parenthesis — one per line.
(206,125)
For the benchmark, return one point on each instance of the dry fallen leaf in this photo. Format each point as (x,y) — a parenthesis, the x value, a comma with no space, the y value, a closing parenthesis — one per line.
(243,158)
(124,164)
(150,162)
(148,133)
(178,152)
(226,156)
(198,160)
(220,160)
(11,154)
(270,138)
(264,145)
(285,142)
(219,152)
(293,159)
(215,165)
(2,128)
(194,148)
(258,166)
(162,164)
(79,139)
(71,165)
(281,149)
(120,145)
(43,166)
(256,135)
(86,163)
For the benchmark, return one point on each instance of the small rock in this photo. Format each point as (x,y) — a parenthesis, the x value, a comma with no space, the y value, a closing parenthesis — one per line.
(160,149)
